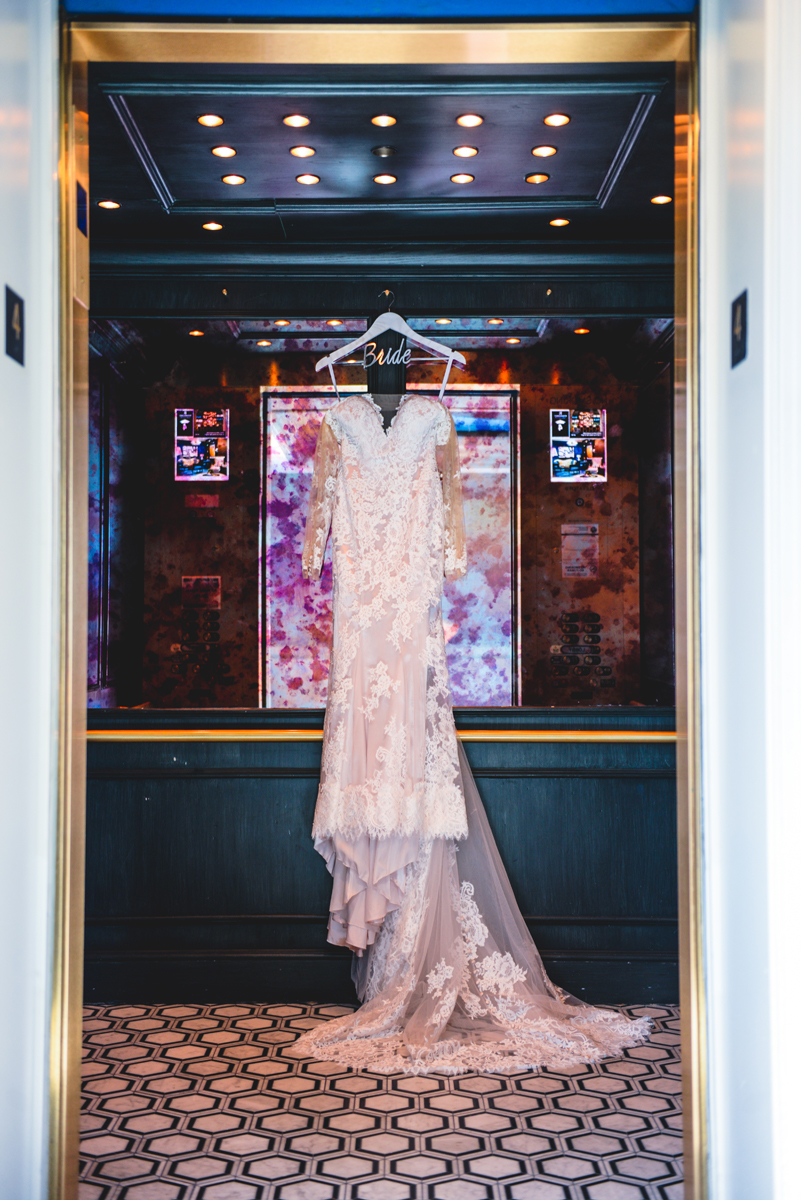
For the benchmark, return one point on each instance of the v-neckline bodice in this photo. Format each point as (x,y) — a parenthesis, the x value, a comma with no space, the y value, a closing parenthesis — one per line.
(377,409)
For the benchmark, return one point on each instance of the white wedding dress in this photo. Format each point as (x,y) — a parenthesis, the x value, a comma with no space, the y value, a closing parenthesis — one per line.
(450,977)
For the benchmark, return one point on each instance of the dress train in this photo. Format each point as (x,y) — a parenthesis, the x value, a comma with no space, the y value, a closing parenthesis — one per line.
(453,981)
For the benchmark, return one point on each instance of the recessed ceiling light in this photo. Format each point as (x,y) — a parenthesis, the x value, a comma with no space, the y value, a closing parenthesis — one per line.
(212,225)
(223,151)
(495,321)
(661,199)
(462,178)
(385,179)
(559,222)
(537,177)
(470,120)
(442,321)
(465,151)
(107,204)
(383,151)
(297,121)
(543,151)
(264,342)
(233,179)
(556,119)
(211,120)
(513,341)
(351,360)
(333,321)
(302,151)
(384,120)
(307,179)
(581,329)
(196,333)
(281,322)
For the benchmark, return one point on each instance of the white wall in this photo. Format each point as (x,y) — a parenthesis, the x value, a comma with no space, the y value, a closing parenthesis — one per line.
(28,669)
(751,588)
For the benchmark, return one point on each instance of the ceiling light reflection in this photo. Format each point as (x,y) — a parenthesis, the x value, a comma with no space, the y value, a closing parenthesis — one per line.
(470,120)
(556,119)
(543,151)
(296,121)
(308,179)
(210,120)
(384,120)
(223,151)
(233,179)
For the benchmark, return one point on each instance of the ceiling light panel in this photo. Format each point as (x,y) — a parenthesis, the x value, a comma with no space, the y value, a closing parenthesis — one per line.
(429,147)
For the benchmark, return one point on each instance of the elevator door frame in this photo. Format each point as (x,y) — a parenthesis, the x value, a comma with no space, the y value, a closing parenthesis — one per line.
(362,44)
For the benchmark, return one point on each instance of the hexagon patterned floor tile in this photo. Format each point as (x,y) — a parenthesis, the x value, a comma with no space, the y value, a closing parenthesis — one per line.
(208,1102)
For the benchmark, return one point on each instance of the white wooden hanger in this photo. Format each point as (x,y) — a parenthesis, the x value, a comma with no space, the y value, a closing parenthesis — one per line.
(391,320)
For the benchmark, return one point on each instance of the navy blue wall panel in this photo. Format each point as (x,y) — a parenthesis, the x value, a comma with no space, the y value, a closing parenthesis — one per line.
(202,882)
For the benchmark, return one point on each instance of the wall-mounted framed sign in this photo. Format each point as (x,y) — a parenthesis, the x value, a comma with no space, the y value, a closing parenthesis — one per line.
(201,445)
(578,445)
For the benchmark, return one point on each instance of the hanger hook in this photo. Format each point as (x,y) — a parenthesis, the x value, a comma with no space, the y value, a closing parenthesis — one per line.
(387,292)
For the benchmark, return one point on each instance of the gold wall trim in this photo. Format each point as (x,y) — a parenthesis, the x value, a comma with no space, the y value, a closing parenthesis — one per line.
(671,42)
(688,639)
(660,737)
(457,42)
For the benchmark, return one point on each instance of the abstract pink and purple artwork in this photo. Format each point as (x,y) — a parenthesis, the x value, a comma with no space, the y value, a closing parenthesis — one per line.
(296,622)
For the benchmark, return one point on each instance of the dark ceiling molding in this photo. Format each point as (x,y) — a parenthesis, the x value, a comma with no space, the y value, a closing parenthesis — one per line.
(142,151)
(348,290)
(625,149)
(299,86)
(502,206)
(267,258)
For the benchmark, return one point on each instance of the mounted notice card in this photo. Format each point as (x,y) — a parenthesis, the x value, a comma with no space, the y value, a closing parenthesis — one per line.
(201,591)
(201,445)
(580,552)
(578,445)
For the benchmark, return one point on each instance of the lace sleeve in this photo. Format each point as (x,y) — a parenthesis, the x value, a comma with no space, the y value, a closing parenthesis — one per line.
(321,501)
(448,463)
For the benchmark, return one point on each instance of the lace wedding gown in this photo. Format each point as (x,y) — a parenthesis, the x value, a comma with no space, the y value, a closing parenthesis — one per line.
(450,977)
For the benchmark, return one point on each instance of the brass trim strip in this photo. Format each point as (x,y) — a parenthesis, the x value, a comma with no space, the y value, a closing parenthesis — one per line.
(340,42)
(660,737)
(362,42)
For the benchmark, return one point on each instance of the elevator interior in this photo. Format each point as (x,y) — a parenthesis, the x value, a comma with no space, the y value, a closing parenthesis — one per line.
(228,257)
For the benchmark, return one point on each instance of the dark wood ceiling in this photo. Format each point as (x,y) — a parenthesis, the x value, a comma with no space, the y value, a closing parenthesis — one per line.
(149,153)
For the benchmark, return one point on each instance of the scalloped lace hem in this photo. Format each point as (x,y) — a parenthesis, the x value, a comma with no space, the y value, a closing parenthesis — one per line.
(553,1044)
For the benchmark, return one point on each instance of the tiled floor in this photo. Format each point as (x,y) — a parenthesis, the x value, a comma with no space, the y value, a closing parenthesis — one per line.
(193,1102)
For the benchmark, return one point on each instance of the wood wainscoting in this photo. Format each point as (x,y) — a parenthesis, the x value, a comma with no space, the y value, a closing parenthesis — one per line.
(202,883)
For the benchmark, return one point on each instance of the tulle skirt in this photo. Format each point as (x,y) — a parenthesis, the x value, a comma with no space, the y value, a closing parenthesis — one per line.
(451,979)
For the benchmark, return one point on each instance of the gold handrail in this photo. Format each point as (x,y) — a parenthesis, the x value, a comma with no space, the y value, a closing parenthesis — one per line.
(659,737)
